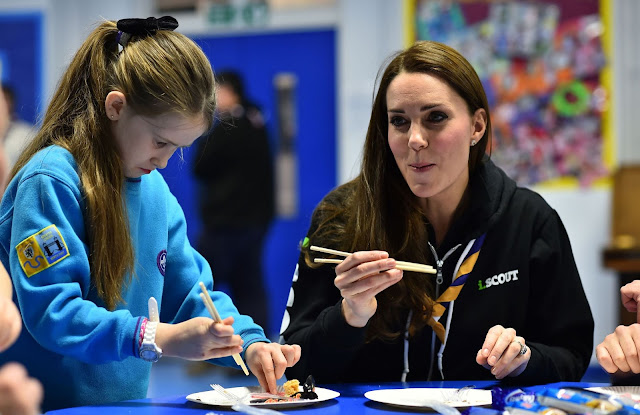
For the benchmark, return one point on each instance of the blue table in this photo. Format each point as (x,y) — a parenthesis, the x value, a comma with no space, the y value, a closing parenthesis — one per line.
(351,401)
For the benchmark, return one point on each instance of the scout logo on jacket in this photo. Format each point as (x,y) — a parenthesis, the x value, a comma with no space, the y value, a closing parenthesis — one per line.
(498,279)
(161,261)
(42,250)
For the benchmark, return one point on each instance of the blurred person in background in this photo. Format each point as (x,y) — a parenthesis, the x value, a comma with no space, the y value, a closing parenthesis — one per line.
(4,112)
(5,121)
(19,393)
(19,132)
(234,168)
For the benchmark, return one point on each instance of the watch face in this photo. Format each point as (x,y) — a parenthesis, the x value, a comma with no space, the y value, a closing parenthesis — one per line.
(149,355)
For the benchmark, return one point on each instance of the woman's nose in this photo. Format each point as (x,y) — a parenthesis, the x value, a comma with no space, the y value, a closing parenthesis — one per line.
(417,139)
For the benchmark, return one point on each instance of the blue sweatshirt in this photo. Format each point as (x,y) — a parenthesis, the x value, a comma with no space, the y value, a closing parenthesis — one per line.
(83,353)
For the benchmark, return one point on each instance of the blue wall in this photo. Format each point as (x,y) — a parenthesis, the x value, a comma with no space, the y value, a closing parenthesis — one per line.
(310,55)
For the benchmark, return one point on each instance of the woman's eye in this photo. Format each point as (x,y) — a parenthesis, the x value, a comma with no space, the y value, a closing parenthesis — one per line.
(160,144)
(397,121)
(437,116)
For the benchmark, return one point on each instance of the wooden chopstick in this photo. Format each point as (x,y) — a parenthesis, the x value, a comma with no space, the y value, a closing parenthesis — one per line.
(208,302)
(329,251)
(424,269)
(403,265)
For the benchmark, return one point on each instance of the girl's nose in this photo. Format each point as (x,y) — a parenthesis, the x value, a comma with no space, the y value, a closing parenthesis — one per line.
(161,160)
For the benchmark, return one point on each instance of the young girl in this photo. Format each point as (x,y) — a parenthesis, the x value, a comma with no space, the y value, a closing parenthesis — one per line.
(90,230)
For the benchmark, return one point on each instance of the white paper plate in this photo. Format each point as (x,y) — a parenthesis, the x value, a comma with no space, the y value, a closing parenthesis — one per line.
(213,398)
(417,397)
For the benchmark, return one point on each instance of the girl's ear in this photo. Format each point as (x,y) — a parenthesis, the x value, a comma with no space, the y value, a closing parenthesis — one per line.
(114,103)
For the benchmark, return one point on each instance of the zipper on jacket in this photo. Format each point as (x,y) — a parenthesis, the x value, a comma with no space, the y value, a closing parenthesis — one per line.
(440,262)
(439,280)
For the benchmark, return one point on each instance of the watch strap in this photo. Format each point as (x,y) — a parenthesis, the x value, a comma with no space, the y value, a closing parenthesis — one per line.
(150,333)
(153,310)
(149,350)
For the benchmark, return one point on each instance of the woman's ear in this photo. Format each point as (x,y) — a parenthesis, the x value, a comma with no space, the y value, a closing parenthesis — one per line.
(479,125)
(114,103)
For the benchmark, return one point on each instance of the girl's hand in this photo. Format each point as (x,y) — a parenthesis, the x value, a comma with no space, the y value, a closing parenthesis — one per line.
(10,323)
(619,350)
(267,361)
(199,338)
(360,277)
(501,352)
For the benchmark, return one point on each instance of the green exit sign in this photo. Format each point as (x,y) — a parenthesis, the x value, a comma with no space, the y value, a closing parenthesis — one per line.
(248,14)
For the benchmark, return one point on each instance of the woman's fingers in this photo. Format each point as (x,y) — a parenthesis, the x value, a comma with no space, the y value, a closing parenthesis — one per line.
(361,257)
(489,343)
(355,270)
(371,285)
(360,277)
(497,340)
(514,357)
(504,353)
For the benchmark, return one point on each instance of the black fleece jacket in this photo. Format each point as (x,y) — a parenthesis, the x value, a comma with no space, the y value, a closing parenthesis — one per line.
(525,278)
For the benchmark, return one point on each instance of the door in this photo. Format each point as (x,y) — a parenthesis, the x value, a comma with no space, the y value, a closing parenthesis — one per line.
(291,75)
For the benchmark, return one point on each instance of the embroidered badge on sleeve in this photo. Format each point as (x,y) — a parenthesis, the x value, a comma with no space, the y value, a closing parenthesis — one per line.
(42,250)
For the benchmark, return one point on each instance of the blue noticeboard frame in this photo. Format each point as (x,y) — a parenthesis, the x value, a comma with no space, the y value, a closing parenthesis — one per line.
(21,56)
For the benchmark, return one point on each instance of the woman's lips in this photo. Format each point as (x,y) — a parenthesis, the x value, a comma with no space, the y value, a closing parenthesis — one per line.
(145,171)
(421,166)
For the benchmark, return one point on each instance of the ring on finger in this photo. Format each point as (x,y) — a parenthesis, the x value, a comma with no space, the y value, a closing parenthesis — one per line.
(523,348)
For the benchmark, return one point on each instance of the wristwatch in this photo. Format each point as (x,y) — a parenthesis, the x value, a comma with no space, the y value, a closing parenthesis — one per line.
(149,350)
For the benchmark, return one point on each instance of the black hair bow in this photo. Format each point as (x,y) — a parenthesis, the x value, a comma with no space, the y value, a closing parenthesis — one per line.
(148,26)
(143,27)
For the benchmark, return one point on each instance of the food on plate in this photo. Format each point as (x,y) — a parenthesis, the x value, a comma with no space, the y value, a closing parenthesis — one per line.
(308,389)
(291,392)
(291,386)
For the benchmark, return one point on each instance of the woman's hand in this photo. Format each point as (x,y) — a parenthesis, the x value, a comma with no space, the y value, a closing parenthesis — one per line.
(199,338)
(619,352)
(360,277)
(267,361)
(10,323)
(501,352)
(19,393)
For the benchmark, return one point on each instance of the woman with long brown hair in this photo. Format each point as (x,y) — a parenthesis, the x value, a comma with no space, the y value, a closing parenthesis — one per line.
(428,193)
(91,232)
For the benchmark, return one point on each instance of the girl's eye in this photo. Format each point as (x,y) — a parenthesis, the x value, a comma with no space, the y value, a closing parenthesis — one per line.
(397,121)
(160,144)
(437,116)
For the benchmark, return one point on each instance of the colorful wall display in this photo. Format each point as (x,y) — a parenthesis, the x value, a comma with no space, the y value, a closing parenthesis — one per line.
(544,68)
